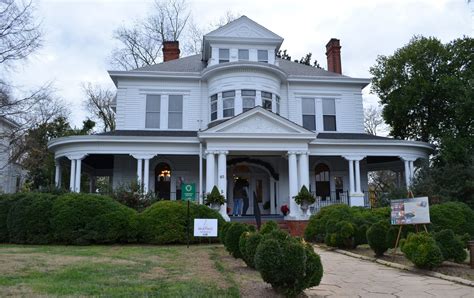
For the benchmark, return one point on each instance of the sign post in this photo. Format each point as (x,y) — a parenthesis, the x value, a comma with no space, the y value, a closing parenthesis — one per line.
(188,193)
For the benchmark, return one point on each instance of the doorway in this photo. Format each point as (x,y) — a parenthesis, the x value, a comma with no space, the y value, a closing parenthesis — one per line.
(258,184)
(163,181)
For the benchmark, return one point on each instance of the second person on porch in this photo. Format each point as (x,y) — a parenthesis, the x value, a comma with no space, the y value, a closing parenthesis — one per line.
(240,195)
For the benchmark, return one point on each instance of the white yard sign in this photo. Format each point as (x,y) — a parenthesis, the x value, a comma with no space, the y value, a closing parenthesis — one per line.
(205,227)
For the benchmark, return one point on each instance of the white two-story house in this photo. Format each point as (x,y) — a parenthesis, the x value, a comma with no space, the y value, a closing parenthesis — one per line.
(236,111)
(11,174)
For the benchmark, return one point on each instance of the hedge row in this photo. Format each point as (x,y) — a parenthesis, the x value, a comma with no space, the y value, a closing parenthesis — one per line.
(289,264)
(38,218)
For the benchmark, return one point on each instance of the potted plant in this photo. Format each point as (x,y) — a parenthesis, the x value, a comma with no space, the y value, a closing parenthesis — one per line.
(284,209)
(214,199)
(304,198)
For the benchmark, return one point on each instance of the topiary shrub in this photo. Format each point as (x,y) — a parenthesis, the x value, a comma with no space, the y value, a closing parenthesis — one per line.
(451,246)
(377,237)
(82,219)
(251,245)
(456,216)
(232,238)
(269,226)
(29,219)
(223,230)
(316,229)
(6,202)
(242,245)
(340,234)
(165,222)
(288,265)
(421,249)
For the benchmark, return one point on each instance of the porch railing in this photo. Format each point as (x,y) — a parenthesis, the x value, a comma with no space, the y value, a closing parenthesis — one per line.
(334,197)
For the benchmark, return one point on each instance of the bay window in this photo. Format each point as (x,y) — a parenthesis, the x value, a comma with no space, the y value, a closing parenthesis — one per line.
(228,98)
(267,100)
(213,107)
(277,101)
(248,99)
(329,114)
(153,108)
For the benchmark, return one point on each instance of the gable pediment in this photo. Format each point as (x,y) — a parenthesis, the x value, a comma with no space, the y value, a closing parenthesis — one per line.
(243,27)
(257,123)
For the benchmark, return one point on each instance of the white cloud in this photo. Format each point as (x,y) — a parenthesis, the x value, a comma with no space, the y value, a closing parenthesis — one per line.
(78,34)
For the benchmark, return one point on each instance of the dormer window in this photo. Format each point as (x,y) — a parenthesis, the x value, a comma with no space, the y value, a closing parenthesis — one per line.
(267,100)
(243,55)
(248,99)
(263,56)
(228,98)
(223,55)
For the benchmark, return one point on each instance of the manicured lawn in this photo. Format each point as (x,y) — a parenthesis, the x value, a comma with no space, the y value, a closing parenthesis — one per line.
(128,270)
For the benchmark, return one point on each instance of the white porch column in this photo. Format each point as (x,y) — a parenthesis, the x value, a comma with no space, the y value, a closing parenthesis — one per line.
(146,175)
(412,170)
(222,180)
(356,197)
(77,186)
(72,180)
(140,172)
(57,174)
(210,174)
(351,176)
(303,170)
(272,196)
(293,184)
(407,174)
(357,176)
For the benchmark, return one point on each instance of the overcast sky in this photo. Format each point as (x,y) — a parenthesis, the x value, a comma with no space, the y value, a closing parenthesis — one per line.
(78,34)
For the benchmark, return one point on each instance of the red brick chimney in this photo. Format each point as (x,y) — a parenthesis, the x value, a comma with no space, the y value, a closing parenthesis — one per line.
(333,53)
(170,50)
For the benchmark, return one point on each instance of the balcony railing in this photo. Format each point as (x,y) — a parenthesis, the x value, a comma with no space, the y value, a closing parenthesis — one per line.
(335,197)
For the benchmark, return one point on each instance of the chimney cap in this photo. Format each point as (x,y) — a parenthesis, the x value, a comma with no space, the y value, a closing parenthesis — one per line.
(333,42)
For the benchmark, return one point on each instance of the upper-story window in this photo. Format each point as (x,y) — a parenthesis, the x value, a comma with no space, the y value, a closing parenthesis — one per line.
(223,55)
(153,109)
(277,101)
(248,99)
(309,113)
(175,112)
(267,100)
(262,56)
(329,114)
(243,55)
(228,98)
(213,107)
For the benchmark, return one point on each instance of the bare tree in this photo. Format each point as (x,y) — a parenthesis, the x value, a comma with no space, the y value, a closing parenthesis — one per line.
(142,42)
(99,103)
(373,121)
(19,31)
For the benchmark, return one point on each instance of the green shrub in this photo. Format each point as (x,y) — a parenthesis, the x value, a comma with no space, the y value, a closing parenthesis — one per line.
(340,234)
(80,219)
(288,265)
(269,226)
(456,216)
(451,246)
(242,246)
(421,249)
(6,201)
(232,238)
(223,230)
(377,237)
(251,245)
(29,218)
(316,229)
(165,222)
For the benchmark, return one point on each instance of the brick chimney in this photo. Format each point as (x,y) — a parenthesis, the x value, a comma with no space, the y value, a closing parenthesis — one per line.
(333,53)
(170,50)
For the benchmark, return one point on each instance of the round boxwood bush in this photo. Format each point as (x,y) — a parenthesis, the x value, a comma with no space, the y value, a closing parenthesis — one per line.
(232,238)
(316,229)
(251,245)
(455,216)
(288,265)
(340,234)
(421,249)
(29,219)
(223,230)
(242,245)
(377,237)
(269,226)
(451,246)
(165,222)
(87,218)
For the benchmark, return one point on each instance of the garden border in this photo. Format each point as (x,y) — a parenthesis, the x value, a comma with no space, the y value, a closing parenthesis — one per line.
(455,279)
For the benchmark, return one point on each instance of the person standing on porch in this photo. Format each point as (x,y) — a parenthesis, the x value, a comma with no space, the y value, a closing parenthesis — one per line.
(245,196)
(238,197)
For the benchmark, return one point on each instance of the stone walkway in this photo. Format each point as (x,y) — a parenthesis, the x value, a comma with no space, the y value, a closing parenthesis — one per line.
(351,277)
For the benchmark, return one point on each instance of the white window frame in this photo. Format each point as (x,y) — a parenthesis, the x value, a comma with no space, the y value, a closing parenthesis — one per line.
(221,60)
(329,114)
(243,50)
(258,56)
(228,98)
(267,100)
(213,99)
(175,112)
(248,97)
(149,113)
(305,112)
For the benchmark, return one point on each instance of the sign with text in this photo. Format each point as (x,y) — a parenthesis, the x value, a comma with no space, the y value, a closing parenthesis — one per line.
(410,211)
(205,227)
(188,191)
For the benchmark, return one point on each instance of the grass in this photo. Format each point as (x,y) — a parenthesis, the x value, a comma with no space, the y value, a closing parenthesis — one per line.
(165,271)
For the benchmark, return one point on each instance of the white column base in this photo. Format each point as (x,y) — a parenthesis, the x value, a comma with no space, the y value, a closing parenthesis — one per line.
(223,212)
(356,200)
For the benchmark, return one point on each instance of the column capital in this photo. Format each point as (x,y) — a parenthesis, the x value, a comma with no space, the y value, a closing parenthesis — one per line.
(303,152)
(408,158)
(143,155)
(292,153)
(211,152)
(353,157)
(222,152)
(77,156)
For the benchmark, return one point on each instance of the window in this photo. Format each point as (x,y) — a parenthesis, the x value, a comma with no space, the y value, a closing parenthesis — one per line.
(153,107)
(175,112)
(228,103)
(309,113)
(263,56)
(243,55)
(329,114)
(213,107)
(248,99)
(223,55)
(277,100)
(267,100)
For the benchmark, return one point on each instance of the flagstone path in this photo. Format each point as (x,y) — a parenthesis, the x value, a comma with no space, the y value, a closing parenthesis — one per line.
(346,276)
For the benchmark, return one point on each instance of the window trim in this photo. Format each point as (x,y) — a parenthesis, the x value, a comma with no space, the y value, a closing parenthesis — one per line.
(248,54)
(153,112)
(213,99)
(258,56)
(220,56)
(305,113)
(176,112)
(226,97)
(325,115)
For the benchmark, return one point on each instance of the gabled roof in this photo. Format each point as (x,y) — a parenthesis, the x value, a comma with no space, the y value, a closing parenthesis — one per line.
(243,27)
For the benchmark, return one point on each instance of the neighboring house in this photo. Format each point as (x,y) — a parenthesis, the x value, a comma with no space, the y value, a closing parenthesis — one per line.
(236,111)
(11,174)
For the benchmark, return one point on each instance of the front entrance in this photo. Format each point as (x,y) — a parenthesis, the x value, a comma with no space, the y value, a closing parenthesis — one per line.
(163,181)
(256,181)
